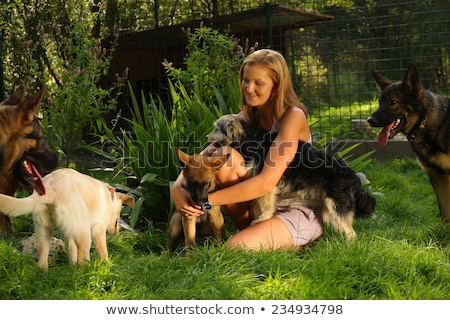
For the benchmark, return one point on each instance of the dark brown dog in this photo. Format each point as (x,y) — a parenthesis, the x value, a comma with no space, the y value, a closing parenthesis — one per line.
(24,157)
(424,117)
(199,172)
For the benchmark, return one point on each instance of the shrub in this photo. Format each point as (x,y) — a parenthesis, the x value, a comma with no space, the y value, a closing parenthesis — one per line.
(147,151)
(212,64)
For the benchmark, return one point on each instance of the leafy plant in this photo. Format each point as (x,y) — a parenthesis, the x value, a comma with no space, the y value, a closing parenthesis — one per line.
(81,103)
(356,163)
(65,53)
(146,152)
(199,95)
(211,65)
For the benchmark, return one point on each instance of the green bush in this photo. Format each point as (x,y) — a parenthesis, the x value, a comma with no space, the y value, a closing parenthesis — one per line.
(212,64)
(146,151)
(80,103)
(56,43)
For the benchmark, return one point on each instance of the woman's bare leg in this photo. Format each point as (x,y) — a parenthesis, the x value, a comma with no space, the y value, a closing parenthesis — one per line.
(269,234)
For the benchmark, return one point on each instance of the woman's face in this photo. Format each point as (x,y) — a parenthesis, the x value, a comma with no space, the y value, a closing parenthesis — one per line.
(257,85)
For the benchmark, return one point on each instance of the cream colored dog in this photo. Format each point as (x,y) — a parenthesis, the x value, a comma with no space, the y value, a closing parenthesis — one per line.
(82,207)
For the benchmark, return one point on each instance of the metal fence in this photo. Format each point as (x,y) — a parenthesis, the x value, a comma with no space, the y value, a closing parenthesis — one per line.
(331,50)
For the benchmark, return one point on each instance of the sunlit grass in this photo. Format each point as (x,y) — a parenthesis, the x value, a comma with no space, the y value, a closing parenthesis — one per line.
(402,252)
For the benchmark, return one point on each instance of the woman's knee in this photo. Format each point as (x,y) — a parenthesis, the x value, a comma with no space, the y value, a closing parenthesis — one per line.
(269,234)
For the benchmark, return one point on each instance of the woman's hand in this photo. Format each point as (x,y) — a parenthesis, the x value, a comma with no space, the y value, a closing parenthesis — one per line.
(183,201)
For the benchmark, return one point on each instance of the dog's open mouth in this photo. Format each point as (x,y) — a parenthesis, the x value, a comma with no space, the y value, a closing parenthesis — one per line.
(388,132)
(34,177)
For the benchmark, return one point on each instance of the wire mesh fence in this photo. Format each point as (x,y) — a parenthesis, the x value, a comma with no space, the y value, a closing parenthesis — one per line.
(331,46)
(331,50)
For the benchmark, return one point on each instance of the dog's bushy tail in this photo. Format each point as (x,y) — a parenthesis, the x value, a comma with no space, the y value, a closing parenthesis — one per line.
(364,204)
(15,207)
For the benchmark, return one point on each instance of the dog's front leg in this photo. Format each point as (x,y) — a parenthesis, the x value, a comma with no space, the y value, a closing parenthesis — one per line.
(441,186)
(175,230)
(218,224)
(189,226)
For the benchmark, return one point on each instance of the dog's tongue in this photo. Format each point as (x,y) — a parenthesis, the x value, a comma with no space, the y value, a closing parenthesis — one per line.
(37,178)
(383,135)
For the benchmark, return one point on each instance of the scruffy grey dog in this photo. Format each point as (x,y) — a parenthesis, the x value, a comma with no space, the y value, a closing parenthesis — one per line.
(233,130)
(314,177)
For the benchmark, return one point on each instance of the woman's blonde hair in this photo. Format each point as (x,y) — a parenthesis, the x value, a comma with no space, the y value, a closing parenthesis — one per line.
(283,87)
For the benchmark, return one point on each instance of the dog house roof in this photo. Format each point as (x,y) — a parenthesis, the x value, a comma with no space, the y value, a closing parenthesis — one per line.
(272,19)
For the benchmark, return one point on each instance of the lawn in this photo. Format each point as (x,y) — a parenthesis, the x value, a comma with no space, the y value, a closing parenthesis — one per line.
(402,252)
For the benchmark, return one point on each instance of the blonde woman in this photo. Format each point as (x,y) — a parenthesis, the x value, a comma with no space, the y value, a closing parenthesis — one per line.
(270,102)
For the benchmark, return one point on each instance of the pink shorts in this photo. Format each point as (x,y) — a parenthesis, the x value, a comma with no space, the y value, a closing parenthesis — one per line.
(301,222)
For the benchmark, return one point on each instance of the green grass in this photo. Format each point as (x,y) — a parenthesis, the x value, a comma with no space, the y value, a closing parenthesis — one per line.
(402,252)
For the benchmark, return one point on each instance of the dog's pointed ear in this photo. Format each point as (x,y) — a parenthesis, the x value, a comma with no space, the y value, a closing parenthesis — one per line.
(382,81)
(27,109)
(411,84)
(182,157)
(17,97)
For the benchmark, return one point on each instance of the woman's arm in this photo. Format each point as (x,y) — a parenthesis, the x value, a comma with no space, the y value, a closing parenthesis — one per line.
(293,126)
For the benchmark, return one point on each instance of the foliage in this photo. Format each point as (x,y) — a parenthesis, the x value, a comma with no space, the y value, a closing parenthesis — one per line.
(402,252)
(198,97)
(309,74)
(80,103)
(211,58)
(328,120)
(358,164)
(64,52)
(147,150)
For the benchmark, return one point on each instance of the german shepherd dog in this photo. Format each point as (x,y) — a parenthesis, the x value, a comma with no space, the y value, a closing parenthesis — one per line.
(83,208)
(199,172)
(24,158)
(424,117)
(316,178)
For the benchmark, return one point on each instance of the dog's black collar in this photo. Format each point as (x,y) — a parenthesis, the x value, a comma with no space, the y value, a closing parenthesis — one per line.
(417,131)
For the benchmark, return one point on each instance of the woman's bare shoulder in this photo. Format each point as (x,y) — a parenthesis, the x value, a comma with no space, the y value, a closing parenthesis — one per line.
(294,123)
(295,110)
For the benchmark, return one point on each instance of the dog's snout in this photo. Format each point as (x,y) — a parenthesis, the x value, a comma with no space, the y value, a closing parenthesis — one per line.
(372,120)
(200,198)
